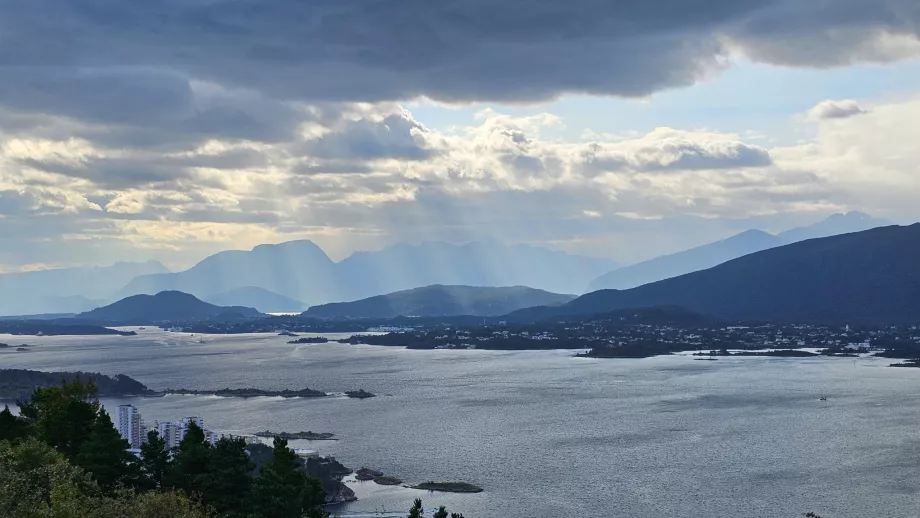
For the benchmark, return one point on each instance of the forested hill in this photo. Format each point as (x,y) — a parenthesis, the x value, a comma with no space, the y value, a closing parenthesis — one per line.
(19,383)
(870,277)
(442,301)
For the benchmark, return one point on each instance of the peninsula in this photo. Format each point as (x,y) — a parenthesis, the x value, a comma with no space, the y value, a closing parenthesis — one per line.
(20,383)
(310,340)
(304,436)
(249,392)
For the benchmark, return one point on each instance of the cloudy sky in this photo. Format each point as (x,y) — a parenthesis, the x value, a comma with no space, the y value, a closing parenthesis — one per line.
(170,129)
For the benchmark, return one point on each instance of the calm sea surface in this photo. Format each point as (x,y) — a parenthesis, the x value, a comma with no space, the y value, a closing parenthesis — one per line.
(549,435)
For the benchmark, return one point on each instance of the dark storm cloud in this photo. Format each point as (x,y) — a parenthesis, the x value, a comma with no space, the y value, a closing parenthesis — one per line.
(456,50)
(111,173)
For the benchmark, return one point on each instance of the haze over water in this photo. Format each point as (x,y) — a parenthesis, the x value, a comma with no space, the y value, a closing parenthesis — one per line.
(546,434)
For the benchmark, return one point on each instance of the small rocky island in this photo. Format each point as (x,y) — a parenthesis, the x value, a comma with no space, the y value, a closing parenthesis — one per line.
(449,487)
(359,394)
(304,436)
(907,363)
(366,474)
(310,340)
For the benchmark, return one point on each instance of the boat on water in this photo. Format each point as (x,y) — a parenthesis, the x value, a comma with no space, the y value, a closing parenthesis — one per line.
(823,398)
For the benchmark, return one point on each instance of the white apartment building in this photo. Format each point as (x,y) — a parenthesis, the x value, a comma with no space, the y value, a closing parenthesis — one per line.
(174,431)
(130,425)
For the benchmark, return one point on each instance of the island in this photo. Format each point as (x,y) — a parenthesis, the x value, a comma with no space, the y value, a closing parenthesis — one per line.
(449,487)
(915,362)
(310,340)
(365,474)
(287,333)
(305,436)
(633,350)
(359,394)
(20,383)
(249,392)
(385,480)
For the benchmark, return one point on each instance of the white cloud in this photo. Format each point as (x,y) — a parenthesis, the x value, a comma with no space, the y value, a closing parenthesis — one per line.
(831,109)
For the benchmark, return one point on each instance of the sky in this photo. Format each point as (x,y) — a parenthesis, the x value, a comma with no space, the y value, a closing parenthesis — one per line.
(172,129)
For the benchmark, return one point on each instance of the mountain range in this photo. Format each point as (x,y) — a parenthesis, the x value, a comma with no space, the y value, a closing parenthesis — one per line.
(712,254)
(164,306)
(301,271)
(439,300)
(870,277)
(67,290)
(259,298)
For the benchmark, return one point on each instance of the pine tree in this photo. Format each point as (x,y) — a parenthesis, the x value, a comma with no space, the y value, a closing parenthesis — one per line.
(416,511)
(283,490)
(191,463)
(154,459)
(104,455)
(11,427)
(63,416)
(228,481)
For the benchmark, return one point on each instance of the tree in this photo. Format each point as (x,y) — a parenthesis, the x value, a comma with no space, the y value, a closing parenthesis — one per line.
(104,455)
(63,416)
(283,490)
(418,512)
(36,480)
(11,427)
(229,478)
(154,459)
(191,463)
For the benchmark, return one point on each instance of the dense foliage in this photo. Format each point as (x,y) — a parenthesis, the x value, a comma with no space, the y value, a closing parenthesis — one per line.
(62,457)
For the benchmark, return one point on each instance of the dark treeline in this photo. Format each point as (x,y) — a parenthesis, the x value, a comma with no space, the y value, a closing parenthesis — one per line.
(62,456)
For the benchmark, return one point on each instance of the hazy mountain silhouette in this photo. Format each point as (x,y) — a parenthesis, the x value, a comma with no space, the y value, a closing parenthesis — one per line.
(67,290)
(167,305)
(834,225)
(864,277)
(439,300)
(712,254)
(300,270)
(482,263)
(692,260)
(259,298)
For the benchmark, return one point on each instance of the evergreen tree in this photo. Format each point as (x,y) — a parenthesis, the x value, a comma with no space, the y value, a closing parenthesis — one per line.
(154,458)
(104,455)
(416,511)
(63,416)
(228,481)
(191,462)
(11,427)
(283,490)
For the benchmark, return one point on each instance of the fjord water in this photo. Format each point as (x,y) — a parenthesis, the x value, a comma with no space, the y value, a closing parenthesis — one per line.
(546,434)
